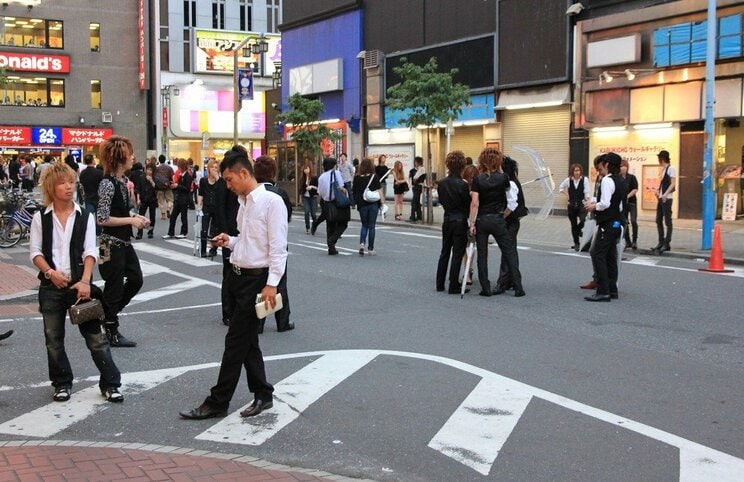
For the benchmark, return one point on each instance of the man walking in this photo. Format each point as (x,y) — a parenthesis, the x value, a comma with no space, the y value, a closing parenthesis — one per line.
(664,204)
(163,180)
(347,172)
(334,227)
(259,256)
(630,210)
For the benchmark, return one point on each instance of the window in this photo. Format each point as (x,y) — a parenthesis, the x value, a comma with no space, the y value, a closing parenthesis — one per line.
(189,13)
(246,15)
(33,92)
(95,37)
(30,32)
(218,14)
(95,94)
(685,43)
(273,15)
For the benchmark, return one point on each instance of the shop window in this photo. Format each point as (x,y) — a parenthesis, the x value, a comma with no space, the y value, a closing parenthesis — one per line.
(95,37)
(30,32)
(730,37)
(95,94)
(685,43)
(32,92)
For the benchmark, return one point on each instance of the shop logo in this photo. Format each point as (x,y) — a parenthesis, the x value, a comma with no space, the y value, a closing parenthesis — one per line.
(35,63)
(46,135)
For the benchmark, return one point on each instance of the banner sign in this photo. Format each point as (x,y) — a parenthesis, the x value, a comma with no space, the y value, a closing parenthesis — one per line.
(245,84)
(11,135)
(85,137)
(46,136)
(141,42)
(213,51)
(25,62)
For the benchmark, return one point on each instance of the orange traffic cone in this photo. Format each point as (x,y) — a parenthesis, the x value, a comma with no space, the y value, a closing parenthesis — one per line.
(715,264)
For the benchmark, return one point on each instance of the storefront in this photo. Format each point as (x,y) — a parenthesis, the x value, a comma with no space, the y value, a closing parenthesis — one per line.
(57,141)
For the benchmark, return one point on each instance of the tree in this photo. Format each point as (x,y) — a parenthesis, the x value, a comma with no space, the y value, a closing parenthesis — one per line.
(307,132)
(427,97)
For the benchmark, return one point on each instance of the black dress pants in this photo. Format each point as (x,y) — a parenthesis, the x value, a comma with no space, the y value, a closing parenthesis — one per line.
(281,316)
(512,228)
(116,293)
(416,211)
(604,258)
(454,241)
(664,217)
(228,303)
(241,344)
(152,205)
(207,225)
(577,217)
(495,225)
(335,229)
(183,210)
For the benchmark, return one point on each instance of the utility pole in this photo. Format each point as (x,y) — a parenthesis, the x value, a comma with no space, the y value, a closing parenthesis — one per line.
(709,195)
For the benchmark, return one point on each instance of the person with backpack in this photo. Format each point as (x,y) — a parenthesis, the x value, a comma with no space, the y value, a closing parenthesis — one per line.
(163,179)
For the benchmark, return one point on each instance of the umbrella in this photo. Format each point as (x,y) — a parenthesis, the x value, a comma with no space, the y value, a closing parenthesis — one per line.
(543,178)
(197,235)
(470,254)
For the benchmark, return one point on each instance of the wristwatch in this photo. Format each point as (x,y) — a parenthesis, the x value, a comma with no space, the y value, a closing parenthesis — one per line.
(48,273)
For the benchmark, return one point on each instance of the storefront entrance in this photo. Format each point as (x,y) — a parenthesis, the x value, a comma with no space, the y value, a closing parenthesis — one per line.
(690,189)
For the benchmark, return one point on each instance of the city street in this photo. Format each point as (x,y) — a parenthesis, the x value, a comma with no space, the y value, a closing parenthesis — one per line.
(386,379)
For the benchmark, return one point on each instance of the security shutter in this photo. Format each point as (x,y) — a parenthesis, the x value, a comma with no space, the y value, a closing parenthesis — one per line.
(545,130)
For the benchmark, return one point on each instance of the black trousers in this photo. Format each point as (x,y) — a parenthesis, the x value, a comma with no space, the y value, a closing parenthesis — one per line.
(282,316)
(228,303)
(631,215)
(512,228)
(577,217)
(206,231)
(320,219)
(183,210)
(416,213)
(152,205)
(334,229)
(604,258)
(454,241)
(664,216)
(495,225)
(116,292)
(241,344)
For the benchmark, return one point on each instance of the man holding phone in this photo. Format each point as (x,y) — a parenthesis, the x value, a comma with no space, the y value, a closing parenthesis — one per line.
(258,258)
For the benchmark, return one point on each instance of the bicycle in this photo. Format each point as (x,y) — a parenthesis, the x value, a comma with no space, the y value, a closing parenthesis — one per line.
(16,224)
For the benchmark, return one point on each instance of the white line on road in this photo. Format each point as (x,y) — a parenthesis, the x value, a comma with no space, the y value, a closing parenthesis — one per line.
(292,396)
(168,290)
(643,261)
(479,428)
(174,255)
(319,248)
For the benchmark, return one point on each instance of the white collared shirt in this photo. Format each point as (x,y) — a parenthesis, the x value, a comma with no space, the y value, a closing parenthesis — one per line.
(61,237)
(324,183)
(262,242)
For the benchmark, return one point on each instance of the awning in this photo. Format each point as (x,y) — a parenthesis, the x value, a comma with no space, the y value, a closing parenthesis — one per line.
(531,98)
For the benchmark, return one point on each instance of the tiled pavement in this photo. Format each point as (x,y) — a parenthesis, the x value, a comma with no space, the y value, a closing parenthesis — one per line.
(61,460)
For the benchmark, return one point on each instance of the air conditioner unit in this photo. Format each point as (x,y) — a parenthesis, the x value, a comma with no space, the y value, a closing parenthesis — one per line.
(107,117)
(372,59)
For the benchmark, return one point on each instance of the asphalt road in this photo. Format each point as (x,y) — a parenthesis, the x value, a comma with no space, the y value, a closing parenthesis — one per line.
(386,379)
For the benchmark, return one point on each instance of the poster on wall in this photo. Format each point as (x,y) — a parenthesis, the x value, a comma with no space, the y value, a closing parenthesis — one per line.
(730,202)
(394,152)
(650,187)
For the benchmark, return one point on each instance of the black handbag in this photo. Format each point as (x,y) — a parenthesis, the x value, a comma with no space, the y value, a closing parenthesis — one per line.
(339,197)
(86,311)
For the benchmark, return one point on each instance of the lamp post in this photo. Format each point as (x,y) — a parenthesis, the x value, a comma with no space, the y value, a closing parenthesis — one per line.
(165,93)
(259,46)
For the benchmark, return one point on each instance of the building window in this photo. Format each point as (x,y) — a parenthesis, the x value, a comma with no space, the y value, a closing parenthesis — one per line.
(95,37)
(218,14)
(95,94)
(189,13)
(246,15)
(31,32)
(273,15)
(33,92)
(187,50)
(685,43)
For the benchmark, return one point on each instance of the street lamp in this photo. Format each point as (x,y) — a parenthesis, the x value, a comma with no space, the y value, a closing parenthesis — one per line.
(165,93)
(255,45)
(276,76)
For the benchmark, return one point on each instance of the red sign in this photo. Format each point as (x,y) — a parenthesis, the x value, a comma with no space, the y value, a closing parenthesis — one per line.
(24,62)
(15,136)
(85,137)
(141,29)
(165,117)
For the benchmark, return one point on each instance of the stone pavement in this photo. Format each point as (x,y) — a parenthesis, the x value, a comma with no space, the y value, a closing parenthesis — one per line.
(60,460)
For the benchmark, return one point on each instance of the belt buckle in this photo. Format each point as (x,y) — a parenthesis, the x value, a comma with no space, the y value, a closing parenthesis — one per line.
(236,269)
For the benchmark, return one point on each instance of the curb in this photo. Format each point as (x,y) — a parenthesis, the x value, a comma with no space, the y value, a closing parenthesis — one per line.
(169,449)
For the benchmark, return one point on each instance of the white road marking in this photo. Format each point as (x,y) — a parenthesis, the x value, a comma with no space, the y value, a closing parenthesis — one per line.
(55,417)
(168,310)
(480,426)
(321,247)
(292,396)
(643,261)
(181,257)
(418,235)
(167,290)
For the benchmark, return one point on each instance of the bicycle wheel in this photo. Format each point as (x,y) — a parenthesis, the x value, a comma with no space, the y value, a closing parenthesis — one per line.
(11,234)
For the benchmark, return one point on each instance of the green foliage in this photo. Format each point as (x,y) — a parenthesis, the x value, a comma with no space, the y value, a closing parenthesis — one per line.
(430,96)
(307,133)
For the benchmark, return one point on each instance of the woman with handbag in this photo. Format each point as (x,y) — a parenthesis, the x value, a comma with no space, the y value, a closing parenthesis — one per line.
(309,194)
(400,187)
(577,188)
(63,248)
(367,191)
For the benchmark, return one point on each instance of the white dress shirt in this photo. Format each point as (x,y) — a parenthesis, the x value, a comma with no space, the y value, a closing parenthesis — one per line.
(61,237)
(262,242)
(564,185)
(324,183)
(608,189)
(511,196)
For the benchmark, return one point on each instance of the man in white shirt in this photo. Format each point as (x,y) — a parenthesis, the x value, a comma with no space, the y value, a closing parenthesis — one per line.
(334,227)
(664,204)
(347,172)
(258,258)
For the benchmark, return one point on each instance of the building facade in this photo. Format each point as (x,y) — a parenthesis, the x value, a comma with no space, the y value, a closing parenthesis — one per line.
(72,76)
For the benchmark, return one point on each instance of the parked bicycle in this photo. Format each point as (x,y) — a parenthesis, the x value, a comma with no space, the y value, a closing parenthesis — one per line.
(15,221)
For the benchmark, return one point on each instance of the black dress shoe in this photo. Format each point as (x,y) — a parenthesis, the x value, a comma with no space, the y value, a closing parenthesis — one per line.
(256,407)
(614,295)
(6,334)
(288,327)
(485,293)
(518,293)
(332,251)
(498,290)
(664,249)
(597,297)
(201,412)
(440,288)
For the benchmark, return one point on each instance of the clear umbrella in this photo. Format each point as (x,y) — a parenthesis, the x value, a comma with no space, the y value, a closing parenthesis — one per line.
(543,182)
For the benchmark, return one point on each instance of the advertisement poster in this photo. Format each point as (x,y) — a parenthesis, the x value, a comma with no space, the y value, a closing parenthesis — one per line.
(213,52)
(394,152)
(650,186)
(730,201)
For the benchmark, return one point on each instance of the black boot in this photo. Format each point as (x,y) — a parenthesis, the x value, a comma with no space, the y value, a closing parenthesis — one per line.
(116,339)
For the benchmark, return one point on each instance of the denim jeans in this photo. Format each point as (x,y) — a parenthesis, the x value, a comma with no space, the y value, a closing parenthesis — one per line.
(54,304)
(310,204)
(368,216)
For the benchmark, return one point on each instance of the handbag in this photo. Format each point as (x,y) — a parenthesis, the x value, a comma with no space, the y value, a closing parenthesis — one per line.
(87,311)
(369,195)
(341,198)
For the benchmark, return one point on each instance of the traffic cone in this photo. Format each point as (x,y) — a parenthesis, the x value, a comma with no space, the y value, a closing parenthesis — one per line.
(715,264)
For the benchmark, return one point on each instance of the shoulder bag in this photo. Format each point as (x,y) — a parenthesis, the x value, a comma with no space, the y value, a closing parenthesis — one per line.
(341,199)
(369,195)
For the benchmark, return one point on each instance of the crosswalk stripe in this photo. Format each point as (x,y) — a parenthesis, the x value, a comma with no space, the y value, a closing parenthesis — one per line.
(480,426)
(643,261)
(181,257)
(168,290)
(318,248)
(292,396)
(55,417)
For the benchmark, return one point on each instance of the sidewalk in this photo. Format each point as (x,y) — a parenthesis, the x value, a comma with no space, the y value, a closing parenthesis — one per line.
(57,460)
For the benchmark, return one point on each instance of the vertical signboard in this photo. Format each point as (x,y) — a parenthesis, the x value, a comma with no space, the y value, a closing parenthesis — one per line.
(245,84)
(141,40)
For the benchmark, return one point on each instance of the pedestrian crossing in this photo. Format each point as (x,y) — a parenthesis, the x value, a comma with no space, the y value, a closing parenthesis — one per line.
(473,435)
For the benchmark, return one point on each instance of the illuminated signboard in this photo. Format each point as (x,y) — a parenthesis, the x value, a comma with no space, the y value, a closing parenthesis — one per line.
(213,51)
(46,136)
(141,41)
(85,137)
(25,62)
(15,135)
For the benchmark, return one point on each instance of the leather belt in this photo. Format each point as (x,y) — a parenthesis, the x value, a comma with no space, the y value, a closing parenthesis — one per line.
(248,271)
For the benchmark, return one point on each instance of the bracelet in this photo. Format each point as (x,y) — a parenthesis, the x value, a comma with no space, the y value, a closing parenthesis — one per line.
(85,282)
